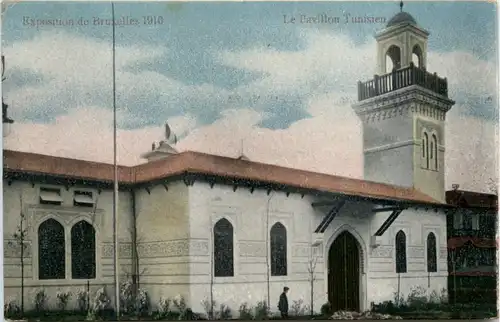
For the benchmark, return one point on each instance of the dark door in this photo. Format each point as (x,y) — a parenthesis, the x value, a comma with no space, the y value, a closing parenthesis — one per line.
(343,273)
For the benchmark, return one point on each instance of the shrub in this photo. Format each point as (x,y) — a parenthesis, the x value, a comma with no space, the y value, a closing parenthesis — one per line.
(63,299)
(180,303)
(386,307)
(417,298)
(224,312)
(245,312)
(82,300)
(100,303)
(164,307)
(127,298)
(297,308)
(326,309)
(11,309)
(262,311)
(185,313)
(188,315)
(165,310)
(143,303)
(41,299)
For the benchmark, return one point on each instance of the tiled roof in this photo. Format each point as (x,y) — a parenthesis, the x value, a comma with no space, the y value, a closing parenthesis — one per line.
(200,163)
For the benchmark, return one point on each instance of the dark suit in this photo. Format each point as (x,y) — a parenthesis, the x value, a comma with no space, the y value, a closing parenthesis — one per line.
(283,305)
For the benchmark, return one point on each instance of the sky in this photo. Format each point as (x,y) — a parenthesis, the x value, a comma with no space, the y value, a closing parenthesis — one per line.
(233,76)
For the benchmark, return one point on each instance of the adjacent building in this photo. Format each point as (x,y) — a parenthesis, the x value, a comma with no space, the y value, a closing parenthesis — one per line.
(472,246)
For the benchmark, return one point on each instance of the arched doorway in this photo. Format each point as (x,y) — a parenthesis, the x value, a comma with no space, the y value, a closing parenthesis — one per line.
(344,273)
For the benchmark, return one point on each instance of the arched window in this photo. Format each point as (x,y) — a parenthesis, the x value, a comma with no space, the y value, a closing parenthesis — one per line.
(51,250)
(223,249)
(424,145)
(400,252)
(83,264)
(431,253)
(434,147)
(278,250)
(425,150)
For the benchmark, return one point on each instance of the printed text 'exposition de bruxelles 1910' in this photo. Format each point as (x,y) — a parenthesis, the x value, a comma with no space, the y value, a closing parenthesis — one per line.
(94,21)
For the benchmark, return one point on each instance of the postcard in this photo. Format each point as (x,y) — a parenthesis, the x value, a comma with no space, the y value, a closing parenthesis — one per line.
(249,160)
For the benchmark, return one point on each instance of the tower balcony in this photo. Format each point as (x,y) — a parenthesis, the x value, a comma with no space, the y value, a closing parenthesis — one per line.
(401,78)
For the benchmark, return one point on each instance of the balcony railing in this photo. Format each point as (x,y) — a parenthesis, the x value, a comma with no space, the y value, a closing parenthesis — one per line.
(402,78)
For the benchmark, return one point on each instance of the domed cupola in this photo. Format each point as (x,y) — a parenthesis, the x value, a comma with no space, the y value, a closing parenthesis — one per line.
(402,18)
(401,42)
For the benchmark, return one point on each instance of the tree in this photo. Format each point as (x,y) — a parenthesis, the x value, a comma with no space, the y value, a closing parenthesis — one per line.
(311,269)
(19,243)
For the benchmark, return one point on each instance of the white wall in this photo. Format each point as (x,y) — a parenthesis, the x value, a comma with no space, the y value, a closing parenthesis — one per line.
(417,224)
(67,215)
(163,240)
(248,212)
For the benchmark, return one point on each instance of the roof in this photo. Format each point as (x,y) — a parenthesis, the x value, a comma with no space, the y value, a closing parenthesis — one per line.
(201,163)
(402,18)
(471,199)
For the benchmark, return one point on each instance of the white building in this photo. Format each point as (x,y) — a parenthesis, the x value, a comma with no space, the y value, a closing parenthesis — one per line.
(207,226)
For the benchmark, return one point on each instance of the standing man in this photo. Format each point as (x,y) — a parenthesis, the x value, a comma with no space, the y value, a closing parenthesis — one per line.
(283,303)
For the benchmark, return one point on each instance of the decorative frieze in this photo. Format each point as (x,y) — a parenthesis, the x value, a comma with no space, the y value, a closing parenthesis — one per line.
(124,250)
(382,252)
(252,249)
(171,248)
(412,100)
(198,247)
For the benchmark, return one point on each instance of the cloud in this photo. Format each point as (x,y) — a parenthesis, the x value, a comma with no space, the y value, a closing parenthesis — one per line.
(77,72)
(322,78)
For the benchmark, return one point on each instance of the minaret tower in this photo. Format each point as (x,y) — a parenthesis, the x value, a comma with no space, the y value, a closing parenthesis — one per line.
(5,118)
(403,110)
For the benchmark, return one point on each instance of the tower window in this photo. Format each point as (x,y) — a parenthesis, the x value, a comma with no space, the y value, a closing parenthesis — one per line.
(434,147)
(393,58)
(425,150)
(416,56)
